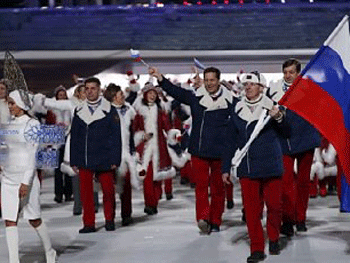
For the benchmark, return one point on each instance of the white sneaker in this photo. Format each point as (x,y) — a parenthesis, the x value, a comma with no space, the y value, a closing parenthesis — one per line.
(51,256)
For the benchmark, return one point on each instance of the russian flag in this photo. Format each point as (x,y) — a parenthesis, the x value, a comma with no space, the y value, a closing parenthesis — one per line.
(135,54)
(321,94)
(198,64)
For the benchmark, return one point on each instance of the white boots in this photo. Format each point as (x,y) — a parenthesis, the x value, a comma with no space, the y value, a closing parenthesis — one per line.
(51,256)
(12,243)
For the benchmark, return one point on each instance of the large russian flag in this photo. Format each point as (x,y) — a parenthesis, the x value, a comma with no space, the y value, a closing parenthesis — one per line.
(321,94)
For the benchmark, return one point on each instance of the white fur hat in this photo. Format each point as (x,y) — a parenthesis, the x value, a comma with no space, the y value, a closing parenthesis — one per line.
(16,96)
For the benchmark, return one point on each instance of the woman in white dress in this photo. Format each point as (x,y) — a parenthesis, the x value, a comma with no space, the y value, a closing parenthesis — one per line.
(20,188)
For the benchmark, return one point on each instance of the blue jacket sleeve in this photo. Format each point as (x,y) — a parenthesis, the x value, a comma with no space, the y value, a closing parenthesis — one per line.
(115,139)
(182,95)
(231,145)
(283,128)
(74,143)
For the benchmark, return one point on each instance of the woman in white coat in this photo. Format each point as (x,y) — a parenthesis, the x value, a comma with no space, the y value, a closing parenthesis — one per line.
(20,188)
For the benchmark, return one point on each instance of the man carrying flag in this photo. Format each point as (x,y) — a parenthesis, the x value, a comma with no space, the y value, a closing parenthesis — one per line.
(299,147)
(321,94)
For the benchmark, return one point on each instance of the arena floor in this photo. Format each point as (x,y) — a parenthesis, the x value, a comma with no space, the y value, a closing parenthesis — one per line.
(173,237)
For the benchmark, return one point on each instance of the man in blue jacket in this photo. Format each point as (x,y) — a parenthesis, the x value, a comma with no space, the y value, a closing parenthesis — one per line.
(260,171)
(96,151)
(300,148)
(210,113)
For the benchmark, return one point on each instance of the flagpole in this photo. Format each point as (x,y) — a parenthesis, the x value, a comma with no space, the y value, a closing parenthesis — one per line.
(336,30)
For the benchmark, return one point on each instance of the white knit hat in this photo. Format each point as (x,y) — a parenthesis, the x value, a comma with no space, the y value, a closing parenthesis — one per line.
(16,96)
(254,78)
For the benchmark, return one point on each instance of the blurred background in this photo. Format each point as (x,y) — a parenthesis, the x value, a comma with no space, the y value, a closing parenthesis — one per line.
(53,40)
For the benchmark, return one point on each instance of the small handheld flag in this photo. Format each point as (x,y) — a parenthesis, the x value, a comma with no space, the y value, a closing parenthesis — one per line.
(198,64)
(136,55)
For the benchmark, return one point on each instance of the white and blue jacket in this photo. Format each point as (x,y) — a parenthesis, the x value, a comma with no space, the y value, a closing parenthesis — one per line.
(264,157)
(95,138)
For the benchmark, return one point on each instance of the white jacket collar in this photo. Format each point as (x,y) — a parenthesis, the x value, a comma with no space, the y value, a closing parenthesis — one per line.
(84,113)
(245,113)
(208,102)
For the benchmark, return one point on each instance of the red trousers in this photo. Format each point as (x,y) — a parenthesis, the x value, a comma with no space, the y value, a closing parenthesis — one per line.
(229,192)
(256,192)
(186,172)
(296,187)
(207,173)
(106,180)
(152,190)
(125,197)
(168,186)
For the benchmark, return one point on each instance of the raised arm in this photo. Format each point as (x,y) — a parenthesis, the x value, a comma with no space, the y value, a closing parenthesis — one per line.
(178,93)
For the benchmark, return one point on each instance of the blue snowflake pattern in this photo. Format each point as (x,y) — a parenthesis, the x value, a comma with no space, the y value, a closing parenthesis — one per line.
(46,134)
(47,158)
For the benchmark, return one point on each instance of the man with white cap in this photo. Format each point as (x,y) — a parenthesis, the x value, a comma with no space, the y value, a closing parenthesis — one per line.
(20,189)
(260,171)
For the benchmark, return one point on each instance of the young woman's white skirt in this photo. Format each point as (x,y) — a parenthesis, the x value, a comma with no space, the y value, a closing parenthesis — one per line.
(11,205)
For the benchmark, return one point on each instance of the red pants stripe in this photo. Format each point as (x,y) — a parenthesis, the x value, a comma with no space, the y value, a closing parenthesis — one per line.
(256,192)
(106,180)
(296,187)
(207,173)
(125,197)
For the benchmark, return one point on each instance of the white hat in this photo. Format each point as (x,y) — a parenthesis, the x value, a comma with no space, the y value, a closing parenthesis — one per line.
(16,96)
(254,77)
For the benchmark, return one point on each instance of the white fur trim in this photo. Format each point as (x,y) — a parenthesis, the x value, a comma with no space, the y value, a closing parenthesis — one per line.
(151,150)
(172,136)
(331,170)
(38,106)
(220,103)
(329,155)
(317,169)
(135,87)
(67,169)
(246,114)
(276,89)
(85,114)
(317,155)
(129,163)
(295,168)
(178,161)
(164,174)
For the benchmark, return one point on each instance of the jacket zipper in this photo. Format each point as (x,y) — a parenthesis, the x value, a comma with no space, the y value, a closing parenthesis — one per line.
(289,146)
(86,140)
(200,133)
